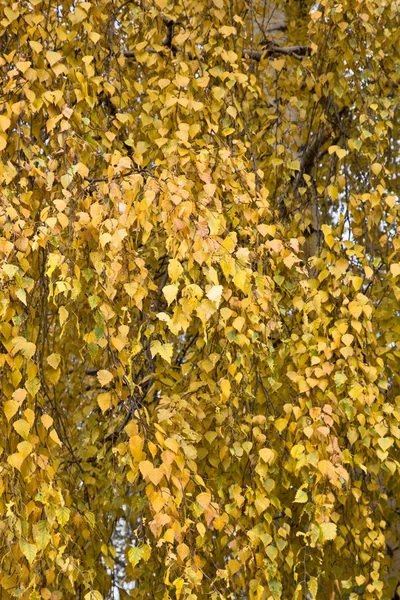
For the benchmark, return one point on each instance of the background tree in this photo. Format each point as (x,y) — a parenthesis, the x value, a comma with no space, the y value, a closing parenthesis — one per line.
(199,301)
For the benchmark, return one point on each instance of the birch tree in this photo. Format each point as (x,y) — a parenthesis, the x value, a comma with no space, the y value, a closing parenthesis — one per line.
(199,299)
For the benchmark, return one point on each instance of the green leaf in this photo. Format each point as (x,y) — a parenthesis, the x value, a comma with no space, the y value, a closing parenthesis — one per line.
(42,536)
(28,550)
(301,497)
(135,554)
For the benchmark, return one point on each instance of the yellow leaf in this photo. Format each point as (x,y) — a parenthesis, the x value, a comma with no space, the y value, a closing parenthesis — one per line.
(238,323)
(275,245)
(376,168)
(19,395)
(385,443)
(240,279)
(104,401)
(47,421)
(36,46)
(225,388)
(267,455)
(347,339)
(93,595)
(20,344)
(156,475)
(104,377)
(4,122)
(328,531)
(218,92)
(54,360)
(395,269)
(172,445)
(204,499)
(326,229)
(21,295)
(29,416)
(278,64)
(297,451)
(271,552)
(170,292)
(66,179)
(233,566)
(53,57)
(11,14)
(25,448)
(94,36)
(82,170)
(8,582)
(183,551)
(62,315)
(164,350)
(290,260)
(175,269)
(146,467)
(23,65)
(16,460)
(315,15)
(10,407)
(181,80)
(280,424)
(63,514)
(326,468)
(54,436)
(357,283)
(264,229)
(136,446)
(333,192)
(341,152)
(214,294)
(22,427)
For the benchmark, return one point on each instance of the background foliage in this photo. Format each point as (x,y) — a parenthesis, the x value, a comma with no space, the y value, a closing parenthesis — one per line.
(199,299)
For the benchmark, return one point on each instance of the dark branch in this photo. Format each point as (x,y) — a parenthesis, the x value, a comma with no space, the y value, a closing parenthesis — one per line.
(272,50)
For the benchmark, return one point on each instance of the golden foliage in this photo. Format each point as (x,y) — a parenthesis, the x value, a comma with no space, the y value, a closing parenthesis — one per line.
(199,301)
